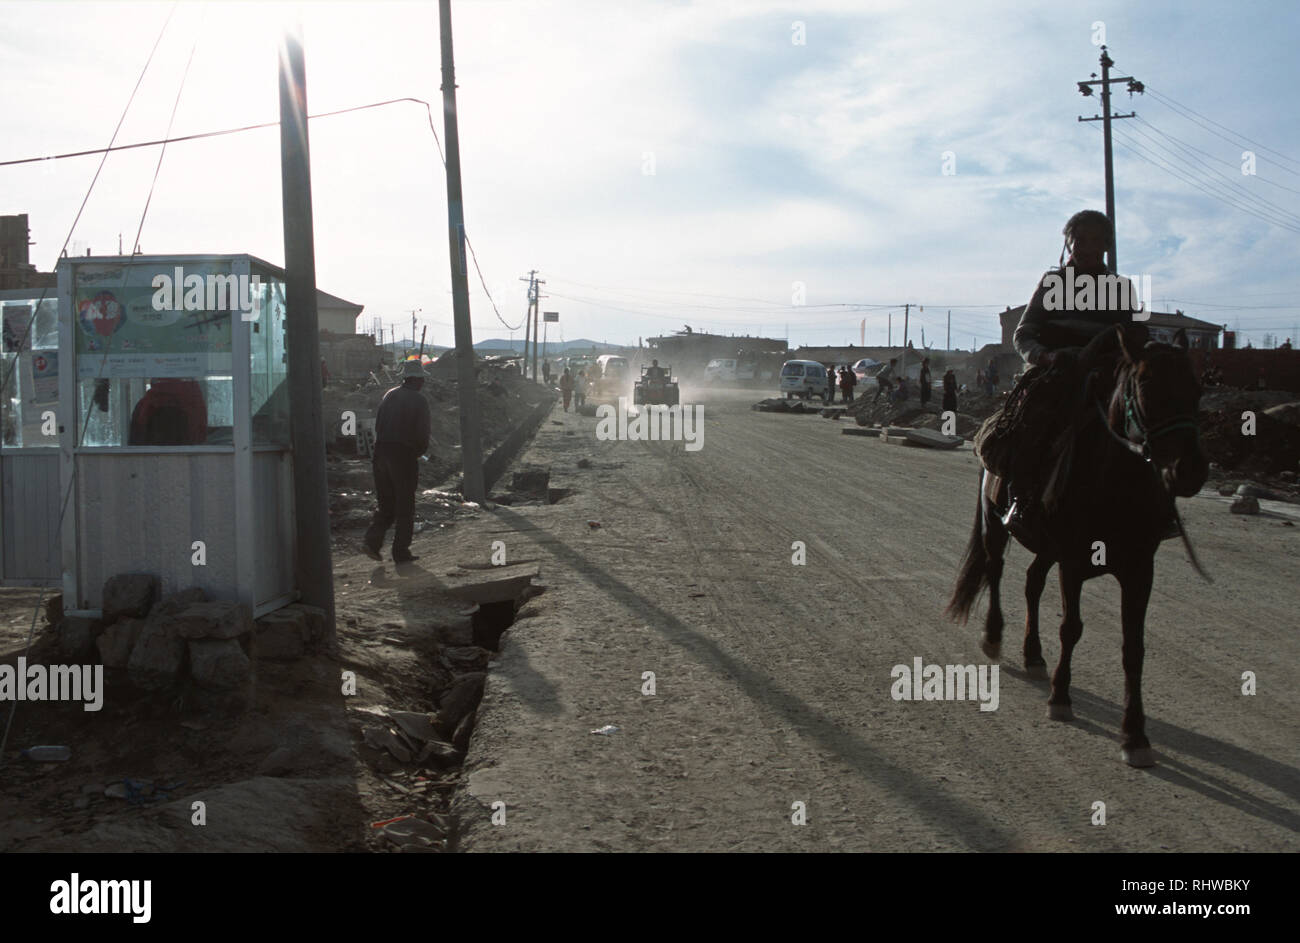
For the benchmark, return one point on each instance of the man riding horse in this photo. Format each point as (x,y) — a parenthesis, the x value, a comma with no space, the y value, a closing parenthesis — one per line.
(1072,306)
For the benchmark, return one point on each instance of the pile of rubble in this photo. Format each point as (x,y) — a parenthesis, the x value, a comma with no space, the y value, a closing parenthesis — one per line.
(505,399)
(160,643)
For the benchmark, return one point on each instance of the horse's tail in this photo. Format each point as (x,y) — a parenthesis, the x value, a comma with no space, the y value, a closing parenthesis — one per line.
(973,575)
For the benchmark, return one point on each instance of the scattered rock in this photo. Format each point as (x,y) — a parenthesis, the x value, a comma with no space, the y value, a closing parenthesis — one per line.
(418,726)
(219,664)
(128,594)
(1227,489)
(465,658)
(178,602)
(461,698)
(464,729)
(157,658)
(281,635)
(1245,505)
(381,738)
(316,621)
(77,636)
(116,642)
(1252,490)
(212,620)
(584,463)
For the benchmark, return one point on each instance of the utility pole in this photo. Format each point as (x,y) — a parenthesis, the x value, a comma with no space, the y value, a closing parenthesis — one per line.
(890,341)
(528,315)
(947,345)
(537,304)
(1085,89)
(471,446)
(314,570)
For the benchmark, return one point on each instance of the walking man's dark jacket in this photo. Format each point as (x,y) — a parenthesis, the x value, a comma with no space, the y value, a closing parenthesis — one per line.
(404,417)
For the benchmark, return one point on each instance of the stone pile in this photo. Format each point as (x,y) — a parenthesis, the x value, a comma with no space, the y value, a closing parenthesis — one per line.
(161,642)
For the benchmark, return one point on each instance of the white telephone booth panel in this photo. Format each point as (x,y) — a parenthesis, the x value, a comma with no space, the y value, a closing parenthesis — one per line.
(174,427)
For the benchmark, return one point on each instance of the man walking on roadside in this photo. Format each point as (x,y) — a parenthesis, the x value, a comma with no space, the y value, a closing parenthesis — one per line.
(401,437)
(885,381)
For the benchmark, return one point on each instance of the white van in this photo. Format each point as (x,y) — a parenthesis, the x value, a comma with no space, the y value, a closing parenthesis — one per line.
(805,378)
(612,367)
(727,371)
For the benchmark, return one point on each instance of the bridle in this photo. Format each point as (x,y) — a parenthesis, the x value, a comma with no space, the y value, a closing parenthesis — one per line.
(1137,439)
(1138,433)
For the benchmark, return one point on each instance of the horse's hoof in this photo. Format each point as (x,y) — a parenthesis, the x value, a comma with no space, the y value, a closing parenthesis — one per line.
(991,648)
(1141,757)
(1059,712)
(1036,672)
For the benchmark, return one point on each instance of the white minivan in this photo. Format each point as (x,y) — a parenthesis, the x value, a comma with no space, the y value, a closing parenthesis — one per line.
(805,378)
(727,371)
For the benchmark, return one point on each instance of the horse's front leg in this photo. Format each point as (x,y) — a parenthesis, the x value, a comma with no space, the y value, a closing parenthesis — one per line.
(1035,580)
(1058,705)
(1135,592)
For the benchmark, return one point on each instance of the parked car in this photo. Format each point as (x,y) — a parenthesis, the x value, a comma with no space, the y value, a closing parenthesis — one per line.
(803,378)
(866,367)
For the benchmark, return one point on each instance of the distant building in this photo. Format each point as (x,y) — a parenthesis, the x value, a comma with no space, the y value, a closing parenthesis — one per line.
(335,315)
(16,270)
(1201,335)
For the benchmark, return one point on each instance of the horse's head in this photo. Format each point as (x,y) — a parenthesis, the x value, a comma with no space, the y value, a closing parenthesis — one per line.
(1156,404)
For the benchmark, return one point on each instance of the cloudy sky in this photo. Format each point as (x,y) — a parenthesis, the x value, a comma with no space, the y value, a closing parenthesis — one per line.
(737,166)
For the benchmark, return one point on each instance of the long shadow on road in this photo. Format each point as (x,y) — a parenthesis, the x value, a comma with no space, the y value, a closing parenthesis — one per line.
(938,809)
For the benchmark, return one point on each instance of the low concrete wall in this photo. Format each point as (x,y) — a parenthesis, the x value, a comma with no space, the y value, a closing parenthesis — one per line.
(494,465)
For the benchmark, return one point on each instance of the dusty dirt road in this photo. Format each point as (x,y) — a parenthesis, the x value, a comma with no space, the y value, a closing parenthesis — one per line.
(772,681)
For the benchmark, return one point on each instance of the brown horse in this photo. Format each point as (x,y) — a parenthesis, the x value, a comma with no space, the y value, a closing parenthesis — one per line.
(1115,506)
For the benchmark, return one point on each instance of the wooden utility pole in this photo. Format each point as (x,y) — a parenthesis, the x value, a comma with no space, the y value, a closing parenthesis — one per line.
(947,345)
(314,573)
(471,446)
(1085,89)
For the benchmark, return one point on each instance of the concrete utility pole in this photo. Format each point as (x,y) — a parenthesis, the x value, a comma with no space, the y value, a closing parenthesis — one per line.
(1085,89)
(947,345)
(528,315)
(315,572)
(537,304)
(471,446)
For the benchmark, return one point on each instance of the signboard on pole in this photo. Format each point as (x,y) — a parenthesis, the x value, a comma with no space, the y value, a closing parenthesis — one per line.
(550,315)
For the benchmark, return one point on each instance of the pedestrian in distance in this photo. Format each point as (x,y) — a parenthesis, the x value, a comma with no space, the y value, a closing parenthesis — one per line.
(950,391)
(885,380)
(580,390)
(847,382)
(566,387)
(925,381)
(401,438)
(546,372)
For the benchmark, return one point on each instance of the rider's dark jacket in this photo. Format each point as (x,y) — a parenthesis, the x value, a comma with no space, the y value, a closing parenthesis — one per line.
(1070,307)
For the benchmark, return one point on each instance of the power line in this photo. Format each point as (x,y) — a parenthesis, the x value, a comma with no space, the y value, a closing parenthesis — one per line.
(1178,108)
(1227,163)
(135,246)
(1195,165)
(1176,172)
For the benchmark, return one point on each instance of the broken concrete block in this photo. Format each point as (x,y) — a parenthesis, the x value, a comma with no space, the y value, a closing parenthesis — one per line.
(496,585)
(461,698)
(116,642)
(219,664)
(215,620)
(178,602)
(316,621)
(1245,505)
(128,594)
(157,659)
(281,635)
(77,636)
